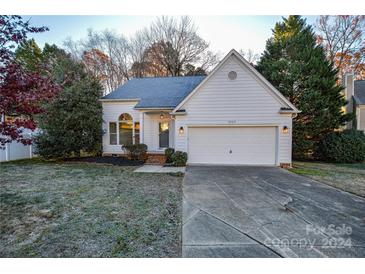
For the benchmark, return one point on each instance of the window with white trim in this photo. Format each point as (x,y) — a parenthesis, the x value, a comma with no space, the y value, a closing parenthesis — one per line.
(136,132)
(113,133)
(125,129)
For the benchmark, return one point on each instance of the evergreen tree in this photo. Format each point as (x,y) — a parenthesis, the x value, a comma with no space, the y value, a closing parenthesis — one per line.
(29,55)
(72,122)
(298,68)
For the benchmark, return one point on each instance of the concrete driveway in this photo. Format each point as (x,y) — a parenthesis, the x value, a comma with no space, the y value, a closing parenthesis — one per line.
(268,212)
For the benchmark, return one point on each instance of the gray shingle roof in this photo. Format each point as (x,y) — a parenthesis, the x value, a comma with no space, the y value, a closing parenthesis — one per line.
(156,92)
(359,92)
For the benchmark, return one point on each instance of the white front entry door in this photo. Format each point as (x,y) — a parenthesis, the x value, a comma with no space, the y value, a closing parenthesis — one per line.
(232,145)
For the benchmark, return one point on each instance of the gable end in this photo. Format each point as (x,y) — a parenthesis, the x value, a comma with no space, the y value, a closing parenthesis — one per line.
(254,73)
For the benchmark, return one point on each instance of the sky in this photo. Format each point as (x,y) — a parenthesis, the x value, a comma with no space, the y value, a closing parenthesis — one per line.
(222,32)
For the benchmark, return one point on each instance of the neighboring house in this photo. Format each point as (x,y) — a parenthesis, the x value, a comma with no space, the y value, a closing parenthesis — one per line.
(355,95)
(233,116)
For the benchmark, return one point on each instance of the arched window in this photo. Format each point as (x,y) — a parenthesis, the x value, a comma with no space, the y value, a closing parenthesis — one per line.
(125,129)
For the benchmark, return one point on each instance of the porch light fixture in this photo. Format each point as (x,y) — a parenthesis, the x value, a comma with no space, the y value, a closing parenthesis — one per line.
(181,130)
(285,129)
(161,116)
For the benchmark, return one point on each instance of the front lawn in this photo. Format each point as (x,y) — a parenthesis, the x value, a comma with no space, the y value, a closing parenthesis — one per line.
(348,177)
(88,210)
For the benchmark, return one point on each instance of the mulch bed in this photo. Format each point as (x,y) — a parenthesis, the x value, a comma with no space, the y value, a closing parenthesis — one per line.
(117,160)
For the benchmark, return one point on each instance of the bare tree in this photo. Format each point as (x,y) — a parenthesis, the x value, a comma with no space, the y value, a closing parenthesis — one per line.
(343,38)
(116,47)
(250,56)
(208,60)
(163,49)
(175,43)
(138,46)
(106,54)
(97,63)
(73,47)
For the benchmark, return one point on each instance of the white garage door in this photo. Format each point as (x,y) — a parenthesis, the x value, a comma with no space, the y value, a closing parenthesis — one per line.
(232,145)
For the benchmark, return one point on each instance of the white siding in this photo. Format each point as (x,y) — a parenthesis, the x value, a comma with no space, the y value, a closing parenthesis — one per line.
(172,133)
(360,113)
(244,101)
(111,113)
(151,131)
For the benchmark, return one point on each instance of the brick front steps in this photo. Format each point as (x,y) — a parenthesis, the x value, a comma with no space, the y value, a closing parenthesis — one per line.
(156,159)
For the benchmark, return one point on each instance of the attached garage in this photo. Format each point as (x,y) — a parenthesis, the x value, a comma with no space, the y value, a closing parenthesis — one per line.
(232,145)
(235,117)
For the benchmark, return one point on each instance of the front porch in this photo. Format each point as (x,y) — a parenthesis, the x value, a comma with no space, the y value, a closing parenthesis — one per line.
(155,128)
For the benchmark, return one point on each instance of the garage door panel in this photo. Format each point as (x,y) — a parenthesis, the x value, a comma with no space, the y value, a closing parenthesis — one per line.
(232,145)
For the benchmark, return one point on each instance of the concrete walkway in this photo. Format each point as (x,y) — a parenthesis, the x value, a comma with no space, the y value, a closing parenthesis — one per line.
(268,212)
(159,169)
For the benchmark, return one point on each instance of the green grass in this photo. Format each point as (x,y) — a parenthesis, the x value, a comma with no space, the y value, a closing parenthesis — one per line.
(55,209)
(348,177)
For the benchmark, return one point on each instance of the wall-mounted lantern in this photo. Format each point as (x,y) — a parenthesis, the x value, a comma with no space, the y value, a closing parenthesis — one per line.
(161,115)
(285,129)
(181,130)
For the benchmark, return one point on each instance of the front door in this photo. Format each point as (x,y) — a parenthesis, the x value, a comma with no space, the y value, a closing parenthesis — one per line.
(163,133)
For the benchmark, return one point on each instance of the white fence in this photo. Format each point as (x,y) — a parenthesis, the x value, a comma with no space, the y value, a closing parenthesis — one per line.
(15,151)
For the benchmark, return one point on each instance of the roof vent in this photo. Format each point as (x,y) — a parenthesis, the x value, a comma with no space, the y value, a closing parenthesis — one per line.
(232,75)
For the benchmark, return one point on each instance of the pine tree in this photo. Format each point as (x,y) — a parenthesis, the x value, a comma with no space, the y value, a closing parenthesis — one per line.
(298,68)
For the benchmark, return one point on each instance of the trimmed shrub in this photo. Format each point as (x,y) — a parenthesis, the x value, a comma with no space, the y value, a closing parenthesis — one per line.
(347,146)
(168,153)
(179,158)
(136,152)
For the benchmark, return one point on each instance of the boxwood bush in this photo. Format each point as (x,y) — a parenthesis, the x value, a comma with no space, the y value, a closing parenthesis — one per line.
(179,158)
(168,153)
(136,152)
(347,146)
